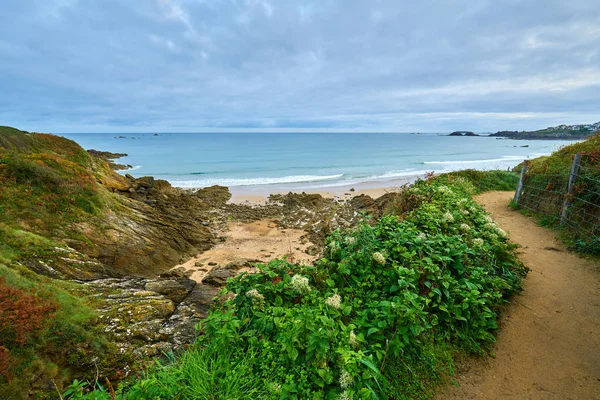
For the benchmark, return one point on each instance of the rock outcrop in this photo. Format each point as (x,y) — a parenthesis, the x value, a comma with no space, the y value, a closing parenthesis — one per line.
(150,317)
(109,158)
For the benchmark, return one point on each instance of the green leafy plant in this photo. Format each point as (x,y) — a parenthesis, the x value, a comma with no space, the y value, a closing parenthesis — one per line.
(381,315)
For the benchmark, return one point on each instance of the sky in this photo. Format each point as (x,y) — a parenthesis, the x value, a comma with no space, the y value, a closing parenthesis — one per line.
(324,65)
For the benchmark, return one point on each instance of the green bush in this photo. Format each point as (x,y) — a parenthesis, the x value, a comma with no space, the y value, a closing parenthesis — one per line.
(52,338)
(483,181)
(380,316)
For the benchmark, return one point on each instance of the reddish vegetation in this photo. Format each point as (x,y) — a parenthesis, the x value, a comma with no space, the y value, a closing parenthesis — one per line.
(23,315)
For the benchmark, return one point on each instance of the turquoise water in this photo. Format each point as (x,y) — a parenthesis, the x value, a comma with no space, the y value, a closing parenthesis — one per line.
(310,160)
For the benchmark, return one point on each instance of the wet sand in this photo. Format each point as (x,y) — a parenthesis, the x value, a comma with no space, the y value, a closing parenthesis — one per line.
(259,194)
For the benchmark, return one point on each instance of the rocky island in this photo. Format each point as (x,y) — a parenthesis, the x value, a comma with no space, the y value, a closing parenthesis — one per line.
(463,133)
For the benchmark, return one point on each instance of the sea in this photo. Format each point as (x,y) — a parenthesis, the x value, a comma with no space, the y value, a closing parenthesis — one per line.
(277,162)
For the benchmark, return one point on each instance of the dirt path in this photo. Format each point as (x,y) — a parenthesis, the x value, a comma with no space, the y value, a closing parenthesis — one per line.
(549,342)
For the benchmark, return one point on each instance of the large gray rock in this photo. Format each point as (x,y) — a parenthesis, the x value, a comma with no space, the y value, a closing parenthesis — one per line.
(218,276)
(176,290)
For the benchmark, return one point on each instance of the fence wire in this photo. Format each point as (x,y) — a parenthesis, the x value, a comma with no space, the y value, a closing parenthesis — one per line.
(570,199)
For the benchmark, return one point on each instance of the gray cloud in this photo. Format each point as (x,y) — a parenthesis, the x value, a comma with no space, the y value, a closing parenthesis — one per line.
(190,65)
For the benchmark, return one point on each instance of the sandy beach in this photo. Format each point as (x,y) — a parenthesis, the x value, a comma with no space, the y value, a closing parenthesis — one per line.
(259,194)
(248,243)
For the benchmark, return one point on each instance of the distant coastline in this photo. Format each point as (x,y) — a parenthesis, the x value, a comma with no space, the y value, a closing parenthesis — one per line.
(265,162)
(560,132)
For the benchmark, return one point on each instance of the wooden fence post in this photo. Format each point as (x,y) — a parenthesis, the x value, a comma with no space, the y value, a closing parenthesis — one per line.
(520,185)
(572,177)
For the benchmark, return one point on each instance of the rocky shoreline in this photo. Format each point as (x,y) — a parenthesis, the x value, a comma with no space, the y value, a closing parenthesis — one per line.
(147,309)
(109,158)
(515,135)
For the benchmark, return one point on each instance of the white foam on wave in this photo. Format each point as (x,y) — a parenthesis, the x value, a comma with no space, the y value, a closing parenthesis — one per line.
(253,181)
(402,173)
(386,176)
(492,160)
(126,170)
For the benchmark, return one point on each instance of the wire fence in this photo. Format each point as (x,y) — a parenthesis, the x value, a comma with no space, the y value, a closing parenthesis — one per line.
(569,199)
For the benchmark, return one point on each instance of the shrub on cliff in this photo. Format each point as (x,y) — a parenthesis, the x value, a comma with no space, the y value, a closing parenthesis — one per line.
(23,315)
(45,333)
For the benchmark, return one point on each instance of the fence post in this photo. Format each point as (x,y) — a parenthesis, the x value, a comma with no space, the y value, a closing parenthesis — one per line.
(572,177)
(520,185)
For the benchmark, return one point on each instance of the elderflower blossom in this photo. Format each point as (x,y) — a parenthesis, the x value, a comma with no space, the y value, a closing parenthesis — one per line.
(334,301)
(379,258)
(465,227)
(492,236)
(465,212)
(345,379)
(352,341)
(421,236)
(255,294)
(491,226)
(489,219)
(300,283)
(448,217)
(275,387)
(445,190)
(345,396)
(478,242)
(333,247)
(350,240)
(501,232)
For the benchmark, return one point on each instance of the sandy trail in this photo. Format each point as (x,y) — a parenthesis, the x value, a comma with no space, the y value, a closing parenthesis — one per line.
(549,339)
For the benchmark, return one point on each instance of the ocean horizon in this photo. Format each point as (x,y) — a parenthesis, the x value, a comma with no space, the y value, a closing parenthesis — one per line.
(278,161)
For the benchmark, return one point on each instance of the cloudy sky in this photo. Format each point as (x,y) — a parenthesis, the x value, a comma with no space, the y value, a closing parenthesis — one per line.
(341,65)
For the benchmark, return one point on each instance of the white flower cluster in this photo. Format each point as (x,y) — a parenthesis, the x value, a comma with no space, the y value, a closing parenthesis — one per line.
(350,240)
(255,294)
(448,217)
(465,227)
(379,258)
(257,298)
(333,247)
(465,212)
(334,301)
(345,395)
(421,236)
(489,219)
(445,190)
(491,226)
(275,387)
(345,379)
(491,236)
(352,341)
(300,283)
(478,242)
